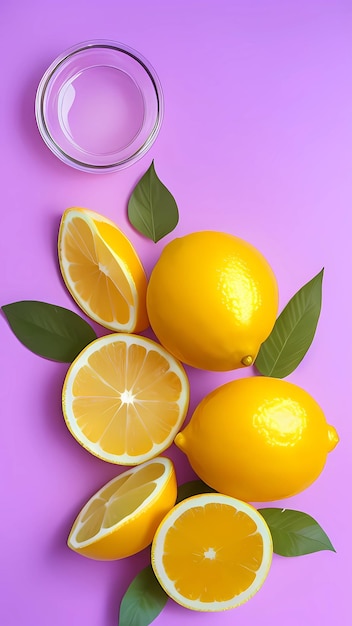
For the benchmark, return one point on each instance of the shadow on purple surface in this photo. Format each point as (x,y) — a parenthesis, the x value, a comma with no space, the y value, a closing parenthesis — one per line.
(31,138)
(26,117)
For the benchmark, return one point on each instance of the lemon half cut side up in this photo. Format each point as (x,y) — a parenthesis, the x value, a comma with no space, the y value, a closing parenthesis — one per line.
(125,398)
(212,552)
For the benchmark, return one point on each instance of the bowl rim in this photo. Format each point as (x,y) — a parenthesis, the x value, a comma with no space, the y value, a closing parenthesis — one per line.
(58,62)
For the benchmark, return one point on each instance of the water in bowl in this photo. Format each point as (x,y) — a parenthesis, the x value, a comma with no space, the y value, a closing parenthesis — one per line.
(101,110)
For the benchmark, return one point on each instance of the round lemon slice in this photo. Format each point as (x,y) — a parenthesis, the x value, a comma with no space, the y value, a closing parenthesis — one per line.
(122,517)
(124,398)
(102,271)
(212,552)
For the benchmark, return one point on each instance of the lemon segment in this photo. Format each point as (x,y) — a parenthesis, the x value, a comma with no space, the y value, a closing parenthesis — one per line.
(124,398)
(212,552)
(122,517)
(102,271)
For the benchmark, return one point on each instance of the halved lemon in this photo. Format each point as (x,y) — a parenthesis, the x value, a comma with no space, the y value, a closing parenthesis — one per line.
(124,398)
(212,552)
(122,517)
(102,271)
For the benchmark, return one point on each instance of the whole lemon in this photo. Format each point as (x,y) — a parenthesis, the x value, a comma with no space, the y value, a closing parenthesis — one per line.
(212,299)
(258,439)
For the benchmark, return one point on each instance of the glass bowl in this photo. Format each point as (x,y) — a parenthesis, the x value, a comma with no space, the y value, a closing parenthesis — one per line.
(99,106)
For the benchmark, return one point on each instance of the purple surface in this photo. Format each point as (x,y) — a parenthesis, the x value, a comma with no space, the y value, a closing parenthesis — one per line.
(256,140)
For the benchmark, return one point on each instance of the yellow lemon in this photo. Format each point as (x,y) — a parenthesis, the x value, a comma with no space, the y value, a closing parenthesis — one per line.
(102,271)
(212,552)
(122,517)
(258,439)
(212,299)
(124,398)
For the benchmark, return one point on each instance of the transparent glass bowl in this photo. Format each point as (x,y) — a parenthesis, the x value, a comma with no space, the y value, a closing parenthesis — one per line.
(99,106)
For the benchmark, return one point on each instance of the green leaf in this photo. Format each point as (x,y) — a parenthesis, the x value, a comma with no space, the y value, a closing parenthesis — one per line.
(192,488)
(49,330)
(143,600)
(152,209)
(293,331)
(295,533)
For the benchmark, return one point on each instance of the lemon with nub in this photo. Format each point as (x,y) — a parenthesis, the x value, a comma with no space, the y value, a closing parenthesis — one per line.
(212,299)
(124,398)
(122,517)
(212,552)
(102,271)
(258,439)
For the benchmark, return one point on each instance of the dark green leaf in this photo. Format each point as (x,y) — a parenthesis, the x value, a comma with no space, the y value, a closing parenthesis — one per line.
(295,533)
(192,488)
(143,600)
(293,331)
(48,330)
(152,209)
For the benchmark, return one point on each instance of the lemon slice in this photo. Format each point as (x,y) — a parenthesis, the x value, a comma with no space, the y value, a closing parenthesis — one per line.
(102,271)
(212,552)
(124,398)
(122,517)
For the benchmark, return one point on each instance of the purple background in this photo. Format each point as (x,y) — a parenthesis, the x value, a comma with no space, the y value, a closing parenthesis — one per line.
(257,141)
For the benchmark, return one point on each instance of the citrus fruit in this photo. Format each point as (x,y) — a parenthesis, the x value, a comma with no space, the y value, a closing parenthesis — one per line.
(258,439)
(212,552)
(102,271)
(212,299)
(122,517)
(124,398)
